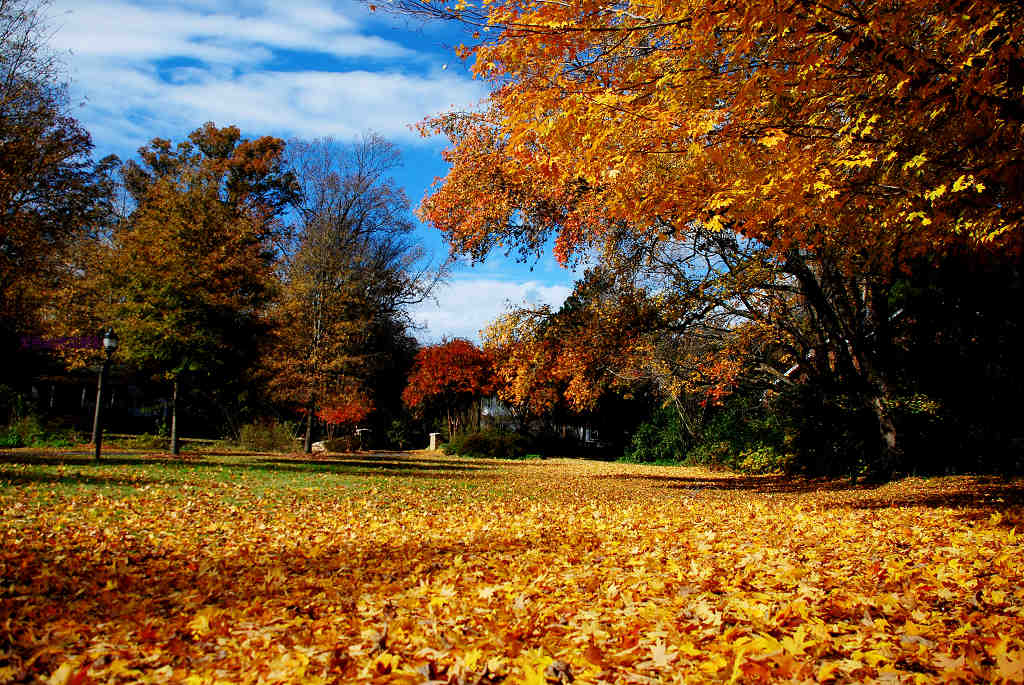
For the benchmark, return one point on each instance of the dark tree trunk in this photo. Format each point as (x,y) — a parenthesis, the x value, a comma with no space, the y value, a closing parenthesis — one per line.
(307,443)
(891,448)
(853,317)
(883,400)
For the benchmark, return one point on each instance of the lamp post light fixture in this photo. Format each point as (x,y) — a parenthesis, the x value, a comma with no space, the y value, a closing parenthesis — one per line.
(109,345)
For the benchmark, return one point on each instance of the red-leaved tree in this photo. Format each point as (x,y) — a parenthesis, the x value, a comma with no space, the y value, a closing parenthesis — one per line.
(347,413)
(447,379)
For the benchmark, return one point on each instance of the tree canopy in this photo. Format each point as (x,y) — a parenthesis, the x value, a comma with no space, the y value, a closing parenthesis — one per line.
(447,379)
(837,149)
(890,130)
(51,191)
(191,266)
(352,273)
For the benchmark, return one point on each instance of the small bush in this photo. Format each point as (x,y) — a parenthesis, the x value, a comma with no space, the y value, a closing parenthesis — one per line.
(144,441)
(29,431)
(660,439)
(346,443)
(713,453)
(763,459)
(399,433)
(268,436)
(744,434)
(488,444)
(12,404)
(9,438)
(828,430)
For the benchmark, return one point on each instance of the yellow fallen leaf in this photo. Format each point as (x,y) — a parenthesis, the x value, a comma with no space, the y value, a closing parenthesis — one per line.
(62,674)
(661,655)
(472,658)
(827,671)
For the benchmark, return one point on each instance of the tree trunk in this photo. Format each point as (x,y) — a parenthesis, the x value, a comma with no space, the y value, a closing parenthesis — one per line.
(175,442)
(882,400)
(307,443)
(825,314)
(890,448)
(861,351)
(97,416)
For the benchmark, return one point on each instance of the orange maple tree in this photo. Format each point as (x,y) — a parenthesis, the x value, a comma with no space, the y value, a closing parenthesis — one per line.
(794,122)
(850,142)
(572,356)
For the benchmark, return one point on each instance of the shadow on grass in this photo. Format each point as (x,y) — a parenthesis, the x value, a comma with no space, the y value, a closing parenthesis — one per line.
(80,479)
(81,458)
(363,464)
(389,463)
(984,492)
(765,484)
(988,495)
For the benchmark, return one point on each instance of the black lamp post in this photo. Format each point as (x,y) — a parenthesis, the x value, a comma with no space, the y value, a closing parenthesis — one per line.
(109,345)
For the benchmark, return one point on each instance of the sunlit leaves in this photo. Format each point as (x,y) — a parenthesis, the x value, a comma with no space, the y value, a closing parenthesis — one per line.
(842,140)
(613,573)
(657,110)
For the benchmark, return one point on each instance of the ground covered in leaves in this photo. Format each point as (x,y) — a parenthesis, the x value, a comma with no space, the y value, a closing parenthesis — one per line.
(418,567)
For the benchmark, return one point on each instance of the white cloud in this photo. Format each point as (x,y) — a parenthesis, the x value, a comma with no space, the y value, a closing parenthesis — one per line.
(305,68)
(134,101)
(235,35)
(465,306)
(157,70)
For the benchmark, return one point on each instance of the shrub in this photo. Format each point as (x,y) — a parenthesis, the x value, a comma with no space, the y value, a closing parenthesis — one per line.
(719,453)
(12,404)
(488,444)
(29,431)
(744,434)
(144,441)
(9,438)
(828,430)
(345,443)
(660,439)
(399,433)
(268,436)
(763,459)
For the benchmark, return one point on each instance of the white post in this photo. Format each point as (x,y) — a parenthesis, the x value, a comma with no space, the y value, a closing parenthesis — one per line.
(433,441)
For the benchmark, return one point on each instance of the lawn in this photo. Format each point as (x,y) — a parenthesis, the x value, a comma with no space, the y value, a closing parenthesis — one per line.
(228,568)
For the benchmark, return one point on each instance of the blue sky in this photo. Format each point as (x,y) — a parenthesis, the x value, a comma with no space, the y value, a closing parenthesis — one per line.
(305,68)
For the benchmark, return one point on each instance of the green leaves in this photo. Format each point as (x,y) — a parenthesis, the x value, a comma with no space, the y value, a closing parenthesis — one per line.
(192,265)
